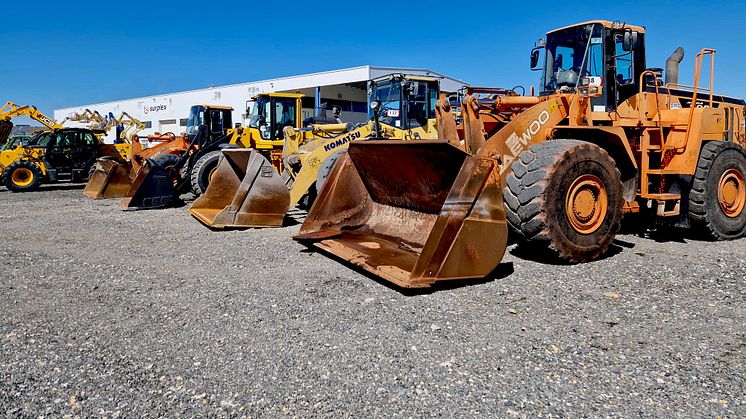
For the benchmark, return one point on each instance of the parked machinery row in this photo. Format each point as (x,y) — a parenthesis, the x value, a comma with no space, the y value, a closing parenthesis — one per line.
(427,191)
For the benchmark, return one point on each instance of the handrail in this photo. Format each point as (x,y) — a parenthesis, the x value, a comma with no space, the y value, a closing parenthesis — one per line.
(657,104)
(697,73)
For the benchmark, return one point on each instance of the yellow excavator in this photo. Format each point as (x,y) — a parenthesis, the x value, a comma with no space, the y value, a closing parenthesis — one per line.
(58,155)
(606,135)
(249,191)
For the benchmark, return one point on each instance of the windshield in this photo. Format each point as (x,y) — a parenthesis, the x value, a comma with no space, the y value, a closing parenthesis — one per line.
(570,50)
(196,118)
(260,108)
(389,94)
(41,139)
(417,97)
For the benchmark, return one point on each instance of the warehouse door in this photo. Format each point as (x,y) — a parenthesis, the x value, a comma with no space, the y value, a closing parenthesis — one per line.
(168,125)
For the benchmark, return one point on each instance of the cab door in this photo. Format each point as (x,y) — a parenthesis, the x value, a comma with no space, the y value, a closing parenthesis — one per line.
(87,149)
(61,150)
(284,114)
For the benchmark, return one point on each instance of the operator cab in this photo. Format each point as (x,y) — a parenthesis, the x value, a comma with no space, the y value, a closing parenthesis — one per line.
(599,54)
(403,102)
(216,119)
(271,114)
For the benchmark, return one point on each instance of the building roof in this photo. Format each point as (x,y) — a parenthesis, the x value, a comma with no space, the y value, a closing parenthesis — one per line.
(310,80)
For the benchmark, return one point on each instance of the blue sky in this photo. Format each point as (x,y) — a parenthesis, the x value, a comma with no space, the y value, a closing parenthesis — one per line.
(63,56)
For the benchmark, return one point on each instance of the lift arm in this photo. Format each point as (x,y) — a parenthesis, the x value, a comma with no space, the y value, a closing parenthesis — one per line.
(11,110)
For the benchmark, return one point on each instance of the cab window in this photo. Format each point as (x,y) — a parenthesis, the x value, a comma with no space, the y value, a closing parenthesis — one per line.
(62,139)
(42,140)
(419,108)
(89,139)
(217,124)
(284,115)
(624,62)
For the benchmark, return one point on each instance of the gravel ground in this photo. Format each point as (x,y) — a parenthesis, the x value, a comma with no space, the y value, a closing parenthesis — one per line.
(104,312)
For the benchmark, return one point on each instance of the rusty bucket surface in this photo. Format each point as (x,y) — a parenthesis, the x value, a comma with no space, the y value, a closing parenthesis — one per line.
(109,180)
(411,212)
(245,191)
(152,188)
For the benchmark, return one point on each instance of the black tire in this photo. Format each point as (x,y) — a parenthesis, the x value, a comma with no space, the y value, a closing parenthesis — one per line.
(22,176)
(202,171)
(537,191)
(326,168)
(708,215)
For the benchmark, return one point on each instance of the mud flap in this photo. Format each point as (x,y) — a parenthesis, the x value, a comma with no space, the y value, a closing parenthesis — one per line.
(109,180)
(152,188)
(245,191)
(411,212)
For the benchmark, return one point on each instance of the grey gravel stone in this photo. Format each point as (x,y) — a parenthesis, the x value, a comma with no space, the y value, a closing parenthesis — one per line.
(112,313)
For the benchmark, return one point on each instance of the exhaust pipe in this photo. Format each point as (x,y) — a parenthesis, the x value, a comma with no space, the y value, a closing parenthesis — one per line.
(672,66)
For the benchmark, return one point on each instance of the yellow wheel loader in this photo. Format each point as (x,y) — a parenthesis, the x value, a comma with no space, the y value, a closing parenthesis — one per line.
(166,177)
(63,154)
(606,135)
(249,191)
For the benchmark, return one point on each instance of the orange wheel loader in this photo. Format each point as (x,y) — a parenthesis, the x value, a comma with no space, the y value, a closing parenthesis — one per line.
(113,179)
(605,135)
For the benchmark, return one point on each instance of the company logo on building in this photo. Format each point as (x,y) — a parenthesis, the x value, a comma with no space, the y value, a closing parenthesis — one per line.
(157,108)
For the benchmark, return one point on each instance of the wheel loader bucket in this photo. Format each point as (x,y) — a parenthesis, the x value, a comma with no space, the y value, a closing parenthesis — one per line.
(245,191)
(109,180)
(411,212)
(153,187)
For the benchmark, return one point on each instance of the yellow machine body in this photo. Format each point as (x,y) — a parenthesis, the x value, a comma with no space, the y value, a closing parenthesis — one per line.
(305,151)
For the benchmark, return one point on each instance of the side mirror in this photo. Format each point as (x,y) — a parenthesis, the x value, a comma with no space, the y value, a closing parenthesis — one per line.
(629,42)
(534,58)
(336,110)
(375,105)
(412,88)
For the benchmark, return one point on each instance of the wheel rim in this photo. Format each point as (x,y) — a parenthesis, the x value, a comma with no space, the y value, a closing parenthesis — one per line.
(212,174)
(22,177)
(732,192)
(586,204)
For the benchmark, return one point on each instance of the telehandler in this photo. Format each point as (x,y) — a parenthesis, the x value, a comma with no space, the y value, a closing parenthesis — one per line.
(61,154)
(248,192)
(604,136)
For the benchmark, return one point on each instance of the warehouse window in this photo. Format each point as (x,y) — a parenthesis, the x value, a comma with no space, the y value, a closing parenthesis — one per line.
(183,122)
(168,122)
(147,124)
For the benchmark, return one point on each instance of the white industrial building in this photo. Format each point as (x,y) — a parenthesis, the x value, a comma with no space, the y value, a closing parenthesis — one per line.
(346,88)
